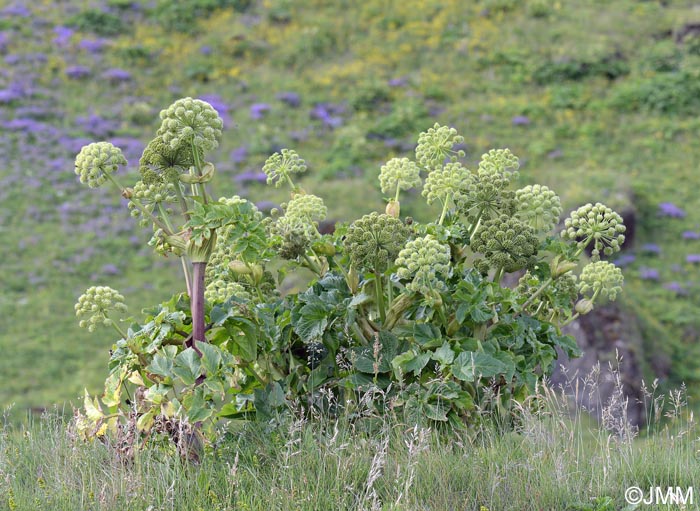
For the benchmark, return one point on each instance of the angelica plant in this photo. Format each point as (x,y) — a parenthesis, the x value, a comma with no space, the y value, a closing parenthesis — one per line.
(419,309)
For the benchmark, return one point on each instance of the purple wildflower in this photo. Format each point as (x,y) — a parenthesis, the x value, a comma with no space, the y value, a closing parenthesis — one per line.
(691,235)
(692,258)
(77,72)
(670,209)
(63,35)
(110,269)
(520,120)
(205,49)
(648,274)
(401,81)
(553,155)
(651,248)
(218,103)
(8,96)
(116,75)
(625,260)
(239,154)
(251,177)
(290,98)
(675,287)
(15,10)
(92,45)
(258,110)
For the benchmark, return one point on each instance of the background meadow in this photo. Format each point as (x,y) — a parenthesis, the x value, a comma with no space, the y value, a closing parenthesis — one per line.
(600,100)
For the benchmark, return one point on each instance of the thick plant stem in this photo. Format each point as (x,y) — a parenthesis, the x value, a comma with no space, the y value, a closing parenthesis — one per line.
(379,289)
(197,303)
(188,279)
(537,293)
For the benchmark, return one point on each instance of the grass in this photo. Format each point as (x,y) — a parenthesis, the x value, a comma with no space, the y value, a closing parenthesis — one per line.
(552,457)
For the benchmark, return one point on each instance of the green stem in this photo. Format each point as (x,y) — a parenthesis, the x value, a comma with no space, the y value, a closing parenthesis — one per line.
(498,275)
(165,217)
(537,293)
(140,207)
(444,209)
(358,333)
(476,226)
(188,277)
(198,167)
(311,264)
(398,189)
(181,200)
(117,328)
(291,183)
(379,291)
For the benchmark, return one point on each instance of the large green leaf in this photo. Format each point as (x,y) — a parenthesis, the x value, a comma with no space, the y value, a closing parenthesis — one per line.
(444,354)
(161,366)
(188,366)
(310,321)
(408,362)
(211,357)
(470,365)
(367,361)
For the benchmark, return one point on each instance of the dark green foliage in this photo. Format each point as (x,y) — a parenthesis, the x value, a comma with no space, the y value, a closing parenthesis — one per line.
(182,16)
(99,22)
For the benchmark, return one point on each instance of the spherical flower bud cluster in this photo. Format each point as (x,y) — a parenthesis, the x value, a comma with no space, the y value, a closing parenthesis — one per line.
(424,260)
(599,224)
(220,290)
(299,225)
(307,208)
(506,243)
(399,174)
(436,144)
(161,162)
(95,161)
(450,181)
(280,166)
(538,206)
(163,244)
(601,279)
(150,195)
(94,305)
(488,197)
(375,240)
(191,122)
(499,161)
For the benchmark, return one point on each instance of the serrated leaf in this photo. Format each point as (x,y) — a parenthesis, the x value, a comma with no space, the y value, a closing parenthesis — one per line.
(161,366)
(197,408)
(470,365)
(444,354)
(145,422)
(93,410)
(187,366)
(408,362)
(113,388)
(435,412)
(211,357)
(310,321)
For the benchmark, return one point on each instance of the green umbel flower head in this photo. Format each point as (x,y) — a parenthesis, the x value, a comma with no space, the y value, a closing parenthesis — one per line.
(599,224)
(601,279)
(280,166)
(150,196)
(95,304)
(95,161)
(191,122)
(399,174)
(449,182)
(487,197)
(506,243)
(424,260)
(436,144)
(538,206)
(160,161)
(299,225)
(500,161)
(374,241)
(220,290)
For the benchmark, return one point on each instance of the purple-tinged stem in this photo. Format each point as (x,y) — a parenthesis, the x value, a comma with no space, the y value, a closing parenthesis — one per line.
(197,303)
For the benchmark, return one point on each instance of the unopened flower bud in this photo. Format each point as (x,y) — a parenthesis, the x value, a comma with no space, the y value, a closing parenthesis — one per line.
(584,306)
(128,193)
(240,268)
(393,208)
(323,248)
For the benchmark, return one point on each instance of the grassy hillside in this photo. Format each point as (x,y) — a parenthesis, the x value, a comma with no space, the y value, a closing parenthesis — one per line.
(600,100)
